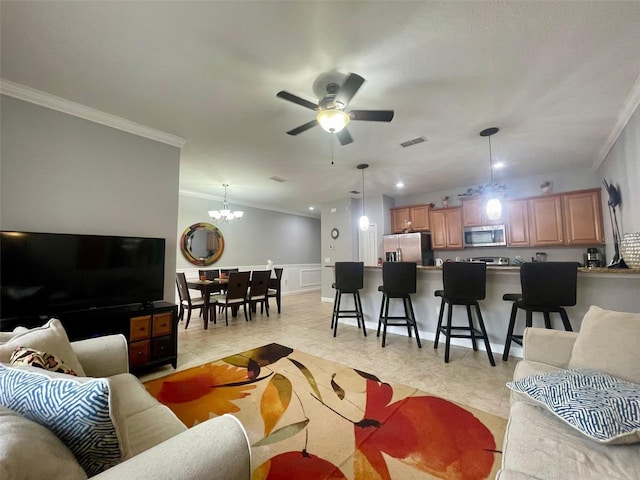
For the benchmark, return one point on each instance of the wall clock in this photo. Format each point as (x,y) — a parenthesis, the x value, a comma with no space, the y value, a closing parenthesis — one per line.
(335,233)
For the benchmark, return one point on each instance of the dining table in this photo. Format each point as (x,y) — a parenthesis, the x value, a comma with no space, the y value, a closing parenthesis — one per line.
(206,288)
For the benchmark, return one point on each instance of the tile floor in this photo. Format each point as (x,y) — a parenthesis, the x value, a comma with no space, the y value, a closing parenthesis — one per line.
(304,324)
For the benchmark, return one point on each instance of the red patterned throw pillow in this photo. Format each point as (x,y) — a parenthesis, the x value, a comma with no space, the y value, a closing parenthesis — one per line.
(35,358)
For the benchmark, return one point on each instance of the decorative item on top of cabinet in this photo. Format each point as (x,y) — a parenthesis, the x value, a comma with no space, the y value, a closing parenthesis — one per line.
(416,215)
(446,228)
(474,213)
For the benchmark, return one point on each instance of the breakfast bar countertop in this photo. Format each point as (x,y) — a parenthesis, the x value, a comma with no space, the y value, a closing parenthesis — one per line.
(515,268)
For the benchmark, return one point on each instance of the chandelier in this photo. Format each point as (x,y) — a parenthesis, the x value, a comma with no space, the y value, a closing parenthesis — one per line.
(225,215)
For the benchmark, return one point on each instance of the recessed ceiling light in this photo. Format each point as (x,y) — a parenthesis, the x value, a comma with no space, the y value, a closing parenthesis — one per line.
(399,185)
(311,208)
(498,165)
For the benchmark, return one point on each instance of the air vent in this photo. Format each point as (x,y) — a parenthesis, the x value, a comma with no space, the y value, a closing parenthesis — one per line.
(354,192)
(278,179)
(415,141)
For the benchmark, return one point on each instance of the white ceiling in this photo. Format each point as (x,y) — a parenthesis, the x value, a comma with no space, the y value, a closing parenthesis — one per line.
(558,78)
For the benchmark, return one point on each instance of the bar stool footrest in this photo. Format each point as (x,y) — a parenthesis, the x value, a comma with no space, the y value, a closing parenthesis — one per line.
(476,333)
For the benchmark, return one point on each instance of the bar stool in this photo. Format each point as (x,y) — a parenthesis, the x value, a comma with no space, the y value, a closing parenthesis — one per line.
(546,287)
(464,284)
(398,281)
(349,279)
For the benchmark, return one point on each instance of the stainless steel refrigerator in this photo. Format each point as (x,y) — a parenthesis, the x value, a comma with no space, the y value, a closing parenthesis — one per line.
(408,247)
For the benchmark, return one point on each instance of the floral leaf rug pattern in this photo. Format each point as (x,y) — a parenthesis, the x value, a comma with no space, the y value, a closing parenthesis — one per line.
(311,418)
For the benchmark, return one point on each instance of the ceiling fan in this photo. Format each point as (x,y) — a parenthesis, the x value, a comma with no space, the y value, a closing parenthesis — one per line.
(331,115)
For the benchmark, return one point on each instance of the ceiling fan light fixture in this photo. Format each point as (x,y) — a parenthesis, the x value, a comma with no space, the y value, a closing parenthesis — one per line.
(332,120)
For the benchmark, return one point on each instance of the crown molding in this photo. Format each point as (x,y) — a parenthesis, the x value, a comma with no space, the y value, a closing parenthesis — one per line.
(38,97)
(629,106)
(207,196)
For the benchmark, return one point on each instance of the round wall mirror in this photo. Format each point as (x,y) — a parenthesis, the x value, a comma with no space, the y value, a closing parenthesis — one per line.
(202,244)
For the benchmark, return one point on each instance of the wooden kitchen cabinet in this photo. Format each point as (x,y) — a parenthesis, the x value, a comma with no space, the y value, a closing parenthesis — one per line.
(446,228)
(418,215)
(474,213)
(517,217)
(546,221)
(399,218)
(583,218)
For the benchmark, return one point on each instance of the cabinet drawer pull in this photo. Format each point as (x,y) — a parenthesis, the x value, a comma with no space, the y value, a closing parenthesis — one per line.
(163,324)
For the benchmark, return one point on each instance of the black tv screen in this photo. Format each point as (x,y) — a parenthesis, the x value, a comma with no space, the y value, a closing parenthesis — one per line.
(48,273)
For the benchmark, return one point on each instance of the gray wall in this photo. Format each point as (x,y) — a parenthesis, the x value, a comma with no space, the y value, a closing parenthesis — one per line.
(63,174)
(622,169)
(261,235)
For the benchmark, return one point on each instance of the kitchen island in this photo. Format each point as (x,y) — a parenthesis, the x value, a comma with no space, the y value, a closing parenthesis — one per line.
(611,289)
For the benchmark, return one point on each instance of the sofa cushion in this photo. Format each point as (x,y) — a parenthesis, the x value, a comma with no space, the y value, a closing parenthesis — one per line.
(604,408)
(76,410)
(23,440)
(608,342)
(538,445)
(50,338)
(35,358)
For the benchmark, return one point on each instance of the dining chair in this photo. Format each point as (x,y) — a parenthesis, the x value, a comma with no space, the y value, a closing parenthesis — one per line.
(186,302)
(209,274)
(258,291)
(234,297)
(275,288)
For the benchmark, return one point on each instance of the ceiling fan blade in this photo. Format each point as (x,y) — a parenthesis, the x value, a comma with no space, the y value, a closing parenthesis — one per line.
(349,88)
(372,115)
(295,99)
(344,136)
(303,128)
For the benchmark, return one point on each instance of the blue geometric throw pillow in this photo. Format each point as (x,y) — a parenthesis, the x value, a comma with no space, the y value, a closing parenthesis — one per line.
(76,411)
(602,407)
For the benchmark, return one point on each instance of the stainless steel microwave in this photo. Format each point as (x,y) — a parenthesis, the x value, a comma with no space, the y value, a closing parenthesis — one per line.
(487,236)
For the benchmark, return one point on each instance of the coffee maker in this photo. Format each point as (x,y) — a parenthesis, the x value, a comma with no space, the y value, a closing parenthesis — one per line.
(593,258)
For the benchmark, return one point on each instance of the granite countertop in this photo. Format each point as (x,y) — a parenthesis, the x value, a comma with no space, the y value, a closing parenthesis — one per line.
(515,268)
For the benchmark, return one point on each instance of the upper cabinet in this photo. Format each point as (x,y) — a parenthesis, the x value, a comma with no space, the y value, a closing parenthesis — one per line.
(572,218)
(418,215)
(446,228)
(474,213)
(517,219)
(545,221)
(583,218)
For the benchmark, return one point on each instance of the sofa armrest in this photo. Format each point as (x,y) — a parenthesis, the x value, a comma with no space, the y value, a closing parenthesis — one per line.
(551,347)
(103,356)
(217,449)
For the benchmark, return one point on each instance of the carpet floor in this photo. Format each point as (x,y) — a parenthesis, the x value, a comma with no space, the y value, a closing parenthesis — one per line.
(310,418)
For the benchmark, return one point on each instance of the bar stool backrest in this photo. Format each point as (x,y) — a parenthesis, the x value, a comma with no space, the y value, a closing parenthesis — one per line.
(464,281)
(549,283)
(399,278)
(349,276)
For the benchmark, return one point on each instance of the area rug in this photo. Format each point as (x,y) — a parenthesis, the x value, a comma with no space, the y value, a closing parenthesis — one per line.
(310,418)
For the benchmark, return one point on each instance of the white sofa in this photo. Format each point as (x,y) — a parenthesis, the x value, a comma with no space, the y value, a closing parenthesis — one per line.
(537,444)
(154,442)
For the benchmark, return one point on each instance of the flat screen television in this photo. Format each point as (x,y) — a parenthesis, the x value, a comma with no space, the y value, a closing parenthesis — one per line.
(49,273)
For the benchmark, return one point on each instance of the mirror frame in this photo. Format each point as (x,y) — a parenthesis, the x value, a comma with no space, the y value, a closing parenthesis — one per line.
(197,227)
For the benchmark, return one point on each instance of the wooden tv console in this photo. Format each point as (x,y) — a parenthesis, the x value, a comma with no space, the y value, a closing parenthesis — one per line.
(151,330)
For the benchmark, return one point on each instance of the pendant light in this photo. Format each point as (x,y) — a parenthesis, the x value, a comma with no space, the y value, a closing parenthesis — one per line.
(494,207)
(364,220)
